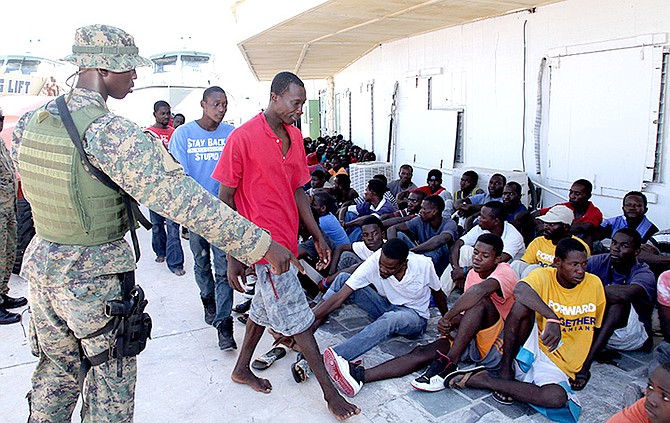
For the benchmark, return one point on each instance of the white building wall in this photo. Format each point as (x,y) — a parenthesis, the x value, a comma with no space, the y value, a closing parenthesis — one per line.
(482,71)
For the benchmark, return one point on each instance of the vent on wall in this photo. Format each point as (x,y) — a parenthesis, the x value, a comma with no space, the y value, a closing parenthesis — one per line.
(361,173)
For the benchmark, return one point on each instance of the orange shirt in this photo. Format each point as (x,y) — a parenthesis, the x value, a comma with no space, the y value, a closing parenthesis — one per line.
(633,414)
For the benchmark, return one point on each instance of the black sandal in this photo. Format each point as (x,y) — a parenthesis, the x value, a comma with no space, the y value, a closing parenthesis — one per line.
(583,378)
(300,369)
(267,359)
(502,398)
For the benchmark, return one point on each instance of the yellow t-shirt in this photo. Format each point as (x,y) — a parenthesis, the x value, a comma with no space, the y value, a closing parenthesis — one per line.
(541,251)
(580,310)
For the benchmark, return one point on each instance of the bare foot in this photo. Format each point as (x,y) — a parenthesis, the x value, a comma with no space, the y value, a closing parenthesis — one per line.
(248,378)
(341,408)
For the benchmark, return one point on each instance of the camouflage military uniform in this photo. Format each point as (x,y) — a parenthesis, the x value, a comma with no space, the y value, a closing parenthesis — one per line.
(7,218)
(70,284)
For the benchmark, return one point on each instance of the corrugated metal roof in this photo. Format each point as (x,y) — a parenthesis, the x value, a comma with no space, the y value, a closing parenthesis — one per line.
(324,40)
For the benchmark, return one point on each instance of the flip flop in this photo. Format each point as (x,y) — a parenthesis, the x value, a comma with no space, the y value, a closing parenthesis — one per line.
(502,398)
(300,369)
(242,307)
(243,318)
(582,378)
(267,359)
(466,373)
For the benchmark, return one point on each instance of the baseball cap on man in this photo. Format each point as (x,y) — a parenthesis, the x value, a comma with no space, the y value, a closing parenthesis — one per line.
(105,47)
(558,214)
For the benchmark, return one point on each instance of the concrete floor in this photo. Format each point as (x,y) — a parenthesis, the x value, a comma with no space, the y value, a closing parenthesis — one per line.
(184,377)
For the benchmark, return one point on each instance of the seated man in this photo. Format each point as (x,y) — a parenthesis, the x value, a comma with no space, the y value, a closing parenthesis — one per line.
(433,233)
(654,407)
(323,204)
(492,219)
(347,257)
(587,217)
(337,166)
(387,195)
(434,187)
(630,290)
(394,286)
(317,183)
(473,204)
(540,252)
(634,210)
(517,213)
(468,186)
(352,217)
(411,210)
(547,336)
(401,187)
(342,190)
(478,315)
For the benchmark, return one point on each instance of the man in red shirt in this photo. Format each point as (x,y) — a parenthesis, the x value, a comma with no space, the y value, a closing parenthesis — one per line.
(161,128)
(588,217)
(167,246)
(262,170)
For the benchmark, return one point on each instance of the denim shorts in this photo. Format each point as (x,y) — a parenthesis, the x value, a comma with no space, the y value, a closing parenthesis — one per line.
(280,302)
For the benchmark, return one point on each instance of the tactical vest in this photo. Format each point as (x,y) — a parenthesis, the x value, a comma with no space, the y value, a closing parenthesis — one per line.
(69,205)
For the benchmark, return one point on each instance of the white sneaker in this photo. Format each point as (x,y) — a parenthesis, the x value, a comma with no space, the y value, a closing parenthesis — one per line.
(432,380)
(339,370)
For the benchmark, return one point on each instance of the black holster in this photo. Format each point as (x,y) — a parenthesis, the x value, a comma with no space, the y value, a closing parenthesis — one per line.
(130,325)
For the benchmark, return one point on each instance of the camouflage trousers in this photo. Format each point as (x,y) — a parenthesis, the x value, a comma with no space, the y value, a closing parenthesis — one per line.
(62,316)
(7,248)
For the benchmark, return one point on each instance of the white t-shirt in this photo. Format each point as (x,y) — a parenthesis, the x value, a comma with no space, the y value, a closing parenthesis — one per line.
(512,240)
(361,250)
(413,291)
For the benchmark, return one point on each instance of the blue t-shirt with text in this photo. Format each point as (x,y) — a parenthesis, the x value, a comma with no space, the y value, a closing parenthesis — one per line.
(198,151)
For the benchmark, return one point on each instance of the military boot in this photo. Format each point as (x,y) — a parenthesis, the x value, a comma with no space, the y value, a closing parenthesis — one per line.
(225,330)
(12,302)
(7,317)
(209,305)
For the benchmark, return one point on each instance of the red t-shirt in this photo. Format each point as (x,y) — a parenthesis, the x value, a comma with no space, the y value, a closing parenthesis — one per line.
(163,134)
(266,181)
(426,189)
(593,214)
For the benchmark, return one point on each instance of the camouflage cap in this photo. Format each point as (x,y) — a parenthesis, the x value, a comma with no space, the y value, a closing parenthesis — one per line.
(105,47)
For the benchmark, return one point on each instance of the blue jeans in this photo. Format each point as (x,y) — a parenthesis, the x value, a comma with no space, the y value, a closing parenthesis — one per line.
(439,256)
(354,232)
(212,285)
(390,320)
(168,246)
(348,259)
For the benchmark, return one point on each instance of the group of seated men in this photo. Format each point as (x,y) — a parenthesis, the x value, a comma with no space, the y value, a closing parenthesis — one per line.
(535,312)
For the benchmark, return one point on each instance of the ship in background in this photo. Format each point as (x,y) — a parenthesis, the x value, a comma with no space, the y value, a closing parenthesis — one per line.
(179,77)
(27,81)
